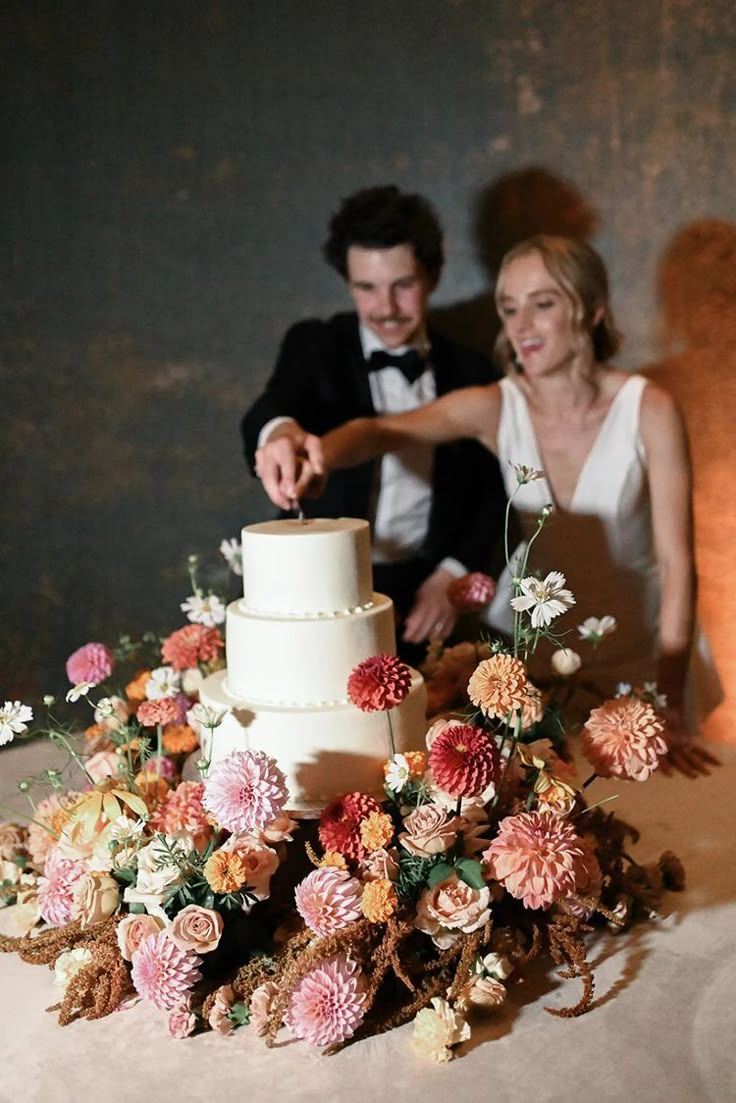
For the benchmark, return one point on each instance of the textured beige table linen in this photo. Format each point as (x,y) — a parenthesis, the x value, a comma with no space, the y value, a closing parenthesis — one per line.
(662,1028)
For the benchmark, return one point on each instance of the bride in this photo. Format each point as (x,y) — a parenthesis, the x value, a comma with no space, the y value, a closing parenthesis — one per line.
(610,455)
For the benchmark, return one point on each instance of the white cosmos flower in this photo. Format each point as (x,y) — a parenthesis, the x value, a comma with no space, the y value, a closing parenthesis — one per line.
(526,474)
(164,682)
(544,598)
(13,720)
(398,773)
(233,554)
(208,611)
(595,628)
(80,690)
(208,717)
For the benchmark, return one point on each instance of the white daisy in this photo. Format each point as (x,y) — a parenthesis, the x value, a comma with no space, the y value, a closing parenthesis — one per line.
(398,773)
(13,720)
(164,682)
(544,598)
(208,611)
(595,628)
(233,554)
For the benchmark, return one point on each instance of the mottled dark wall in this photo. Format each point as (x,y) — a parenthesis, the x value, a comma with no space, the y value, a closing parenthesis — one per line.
(168,172)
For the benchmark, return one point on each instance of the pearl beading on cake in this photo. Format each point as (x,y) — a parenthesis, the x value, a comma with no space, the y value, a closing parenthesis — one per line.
(250,609)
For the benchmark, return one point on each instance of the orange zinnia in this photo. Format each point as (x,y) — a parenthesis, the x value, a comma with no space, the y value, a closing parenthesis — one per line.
(179,739)
(225,871)
(135,691)
(379,901)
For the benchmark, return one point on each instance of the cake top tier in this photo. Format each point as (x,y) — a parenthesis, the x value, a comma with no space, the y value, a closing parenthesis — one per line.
(307,568)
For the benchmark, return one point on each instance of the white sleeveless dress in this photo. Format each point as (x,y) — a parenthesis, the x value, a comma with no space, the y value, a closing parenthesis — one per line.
(602,543)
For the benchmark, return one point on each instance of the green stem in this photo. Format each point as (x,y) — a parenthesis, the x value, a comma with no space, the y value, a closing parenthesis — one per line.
(391,743)
(60,739)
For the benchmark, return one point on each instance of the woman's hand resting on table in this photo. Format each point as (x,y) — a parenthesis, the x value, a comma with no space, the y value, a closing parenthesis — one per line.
(686,755)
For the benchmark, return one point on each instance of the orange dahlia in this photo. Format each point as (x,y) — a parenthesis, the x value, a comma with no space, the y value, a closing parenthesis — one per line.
(179,739)
(135,691)
(498,686)
(624,738)
(538,857)
(376,831)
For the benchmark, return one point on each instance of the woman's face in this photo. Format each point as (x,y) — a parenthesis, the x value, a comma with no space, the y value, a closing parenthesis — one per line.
(537,316)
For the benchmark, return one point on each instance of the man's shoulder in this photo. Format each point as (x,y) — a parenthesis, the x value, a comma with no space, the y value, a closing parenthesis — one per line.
(339,327)
(461,359)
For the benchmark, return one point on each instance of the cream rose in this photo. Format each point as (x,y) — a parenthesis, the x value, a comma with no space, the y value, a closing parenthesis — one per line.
(485,993)
(450,909)
(428,830)
(380,865)
(154,877)
(153,902)
(96,897)
(69,964)
(133,929)
(195,928)
(260,1005)
(438,1028)
(260,861)
(9,872)
(13,840)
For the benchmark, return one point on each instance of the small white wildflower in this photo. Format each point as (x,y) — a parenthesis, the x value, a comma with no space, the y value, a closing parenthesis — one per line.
(565,662)
(208,717)
(498,966)
(652,694)
(623,689)
(80,690)
(544,599)
(123,830)
(14,719)
(398,773)
(233,553)
(164,682)
(526,474)
(595,628)
(209,611)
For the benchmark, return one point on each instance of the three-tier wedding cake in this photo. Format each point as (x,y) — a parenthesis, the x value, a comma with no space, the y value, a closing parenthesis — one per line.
(307,617)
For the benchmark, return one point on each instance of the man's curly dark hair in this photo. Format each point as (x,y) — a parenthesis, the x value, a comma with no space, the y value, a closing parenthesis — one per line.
(379,218)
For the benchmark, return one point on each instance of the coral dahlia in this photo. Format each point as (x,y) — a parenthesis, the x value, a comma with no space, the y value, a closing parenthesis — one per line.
(624,738)
(245,791)
(340,822)
(538,857)
(379,683)
(162,973)
(464,760)
(328,899)
(498,685)
(327,1006)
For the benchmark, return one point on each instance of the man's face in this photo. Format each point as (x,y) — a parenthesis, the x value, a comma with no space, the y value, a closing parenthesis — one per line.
(390,289)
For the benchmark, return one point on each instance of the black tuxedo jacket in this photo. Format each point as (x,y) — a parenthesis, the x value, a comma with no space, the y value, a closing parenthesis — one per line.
(321,380)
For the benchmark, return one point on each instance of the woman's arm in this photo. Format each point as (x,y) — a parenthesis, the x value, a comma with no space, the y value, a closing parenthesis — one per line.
(670,481)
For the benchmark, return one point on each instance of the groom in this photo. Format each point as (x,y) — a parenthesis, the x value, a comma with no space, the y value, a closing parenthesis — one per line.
(435,513)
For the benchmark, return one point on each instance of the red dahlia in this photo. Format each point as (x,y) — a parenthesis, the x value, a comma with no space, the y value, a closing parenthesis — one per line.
(379,683)
(471,592)
(464,760)
(339,825)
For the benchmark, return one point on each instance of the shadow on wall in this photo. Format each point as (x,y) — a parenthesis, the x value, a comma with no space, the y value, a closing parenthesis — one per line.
(697,292)
(508,210)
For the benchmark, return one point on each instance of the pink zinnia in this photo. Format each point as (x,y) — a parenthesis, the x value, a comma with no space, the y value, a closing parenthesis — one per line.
(328,899)
(339,825)
(56,888)
(165,710)
(471,592)
(160,765)
(181,1022)
(538,857)
(162,973)
(464,760)
(191,645)
(92,663)
(181,810)
(327,1006)
(379,683)
(245,791)
(624,738)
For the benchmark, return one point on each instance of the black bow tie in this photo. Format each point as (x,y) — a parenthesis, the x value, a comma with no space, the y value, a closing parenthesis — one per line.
(410,363)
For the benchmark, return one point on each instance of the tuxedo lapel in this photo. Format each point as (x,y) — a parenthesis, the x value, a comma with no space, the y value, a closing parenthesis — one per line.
(354,365)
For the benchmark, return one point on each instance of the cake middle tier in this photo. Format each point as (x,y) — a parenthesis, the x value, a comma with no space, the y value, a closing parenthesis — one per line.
(303,660)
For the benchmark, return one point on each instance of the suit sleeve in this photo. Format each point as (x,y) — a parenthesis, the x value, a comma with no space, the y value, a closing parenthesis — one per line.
(293,388)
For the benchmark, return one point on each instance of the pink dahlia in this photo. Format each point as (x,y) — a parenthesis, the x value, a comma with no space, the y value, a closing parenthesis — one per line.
(165,710)
(191,645)
(379,683)
(538,857)
(328,899)
(182,810)
(340,822)
(471,592)
(57,886)
(245,791)
(92,663)
(181,1022)
(464,760)
(624,738)
(327,1006)
(162,973)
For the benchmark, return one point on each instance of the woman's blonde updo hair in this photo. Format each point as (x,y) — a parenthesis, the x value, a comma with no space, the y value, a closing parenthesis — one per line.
(581,273)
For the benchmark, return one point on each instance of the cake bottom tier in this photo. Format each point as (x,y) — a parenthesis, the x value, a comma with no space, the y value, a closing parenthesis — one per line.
(323,752)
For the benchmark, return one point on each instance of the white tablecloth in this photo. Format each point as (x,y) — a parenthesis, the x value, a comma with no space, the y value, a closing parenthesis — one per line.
(662,1027)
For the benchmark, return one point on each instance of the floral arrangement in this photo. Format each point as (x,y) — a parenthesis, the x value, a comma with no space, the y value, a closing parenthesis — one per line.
(200,894)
